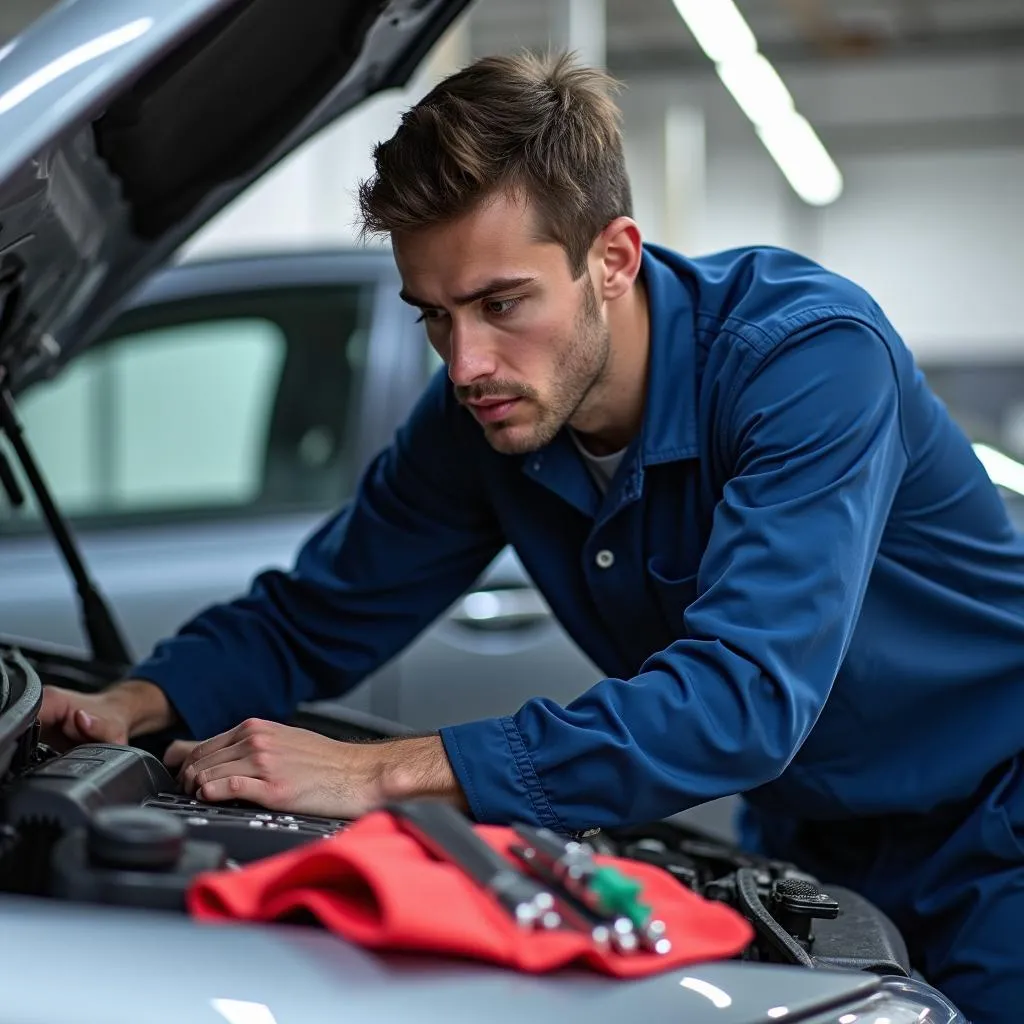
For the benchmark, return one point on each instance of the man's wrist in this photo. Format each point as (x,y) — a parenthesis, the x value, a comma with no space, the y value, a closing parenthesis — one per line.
(146,706)
(416,767)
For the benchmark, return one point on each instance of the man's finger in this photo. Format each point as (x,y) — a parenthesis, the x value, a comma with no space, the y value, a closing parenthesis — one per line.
(219,742)
(54,708)
(55,720)
(239,765)
(175,754)
(100,730)
(240,787)
(68,729)
(234,757)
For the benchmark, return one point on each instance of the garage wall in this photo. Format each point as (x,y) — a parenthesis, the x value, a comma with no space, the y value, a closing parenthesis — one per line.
(937,238)
(932,154)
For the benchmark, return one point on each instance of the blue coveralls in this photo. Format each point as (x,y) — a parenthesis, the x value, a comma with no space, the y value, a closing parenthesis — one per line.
(815,598)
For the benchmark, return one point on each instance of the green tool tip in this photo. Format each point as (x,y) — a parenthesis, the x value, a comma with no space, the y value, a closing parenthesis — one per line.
(617,893)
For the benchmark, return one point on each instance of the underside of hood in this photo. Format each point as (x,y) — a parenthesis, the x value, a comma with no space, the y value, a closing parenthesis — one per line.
(128,124)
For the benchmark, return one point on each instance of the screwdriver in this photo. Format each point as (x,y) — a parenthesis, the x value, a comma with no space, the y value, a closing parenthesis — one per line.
(603,889)
(604,931)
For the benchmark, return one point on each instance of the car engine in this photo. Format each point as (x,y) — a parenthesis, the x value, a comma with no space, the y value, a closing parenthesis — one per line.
(107,824)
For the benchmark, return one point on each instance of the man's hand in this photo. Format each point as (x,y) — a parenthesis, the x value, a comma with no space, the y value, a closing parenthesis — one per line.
(111,716)
(175,754)
(288,769)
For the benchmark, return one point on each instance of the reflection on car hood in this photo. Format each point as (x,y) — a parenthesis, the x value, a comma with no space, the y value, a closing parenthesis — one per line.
(120,964)
(127,124)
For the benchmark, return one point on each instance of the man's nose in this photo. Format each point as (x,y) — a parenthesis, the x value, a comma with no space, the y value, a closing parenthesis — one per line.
(472,357)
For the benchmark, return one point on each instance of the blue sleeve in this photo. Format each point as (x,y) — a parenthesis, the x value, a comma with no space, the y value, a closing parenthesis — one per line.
(416,535)
(815,439)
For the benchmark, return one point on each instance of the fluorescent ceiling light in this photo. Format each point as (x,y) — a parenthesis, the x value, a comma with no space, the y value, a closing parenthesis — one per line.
(802,158)
(755,85)
(723,34)
(719,28)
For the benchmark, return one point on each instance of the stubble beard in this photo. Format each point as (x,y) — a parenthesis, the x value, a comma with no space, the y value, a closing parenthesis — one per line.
(581,368)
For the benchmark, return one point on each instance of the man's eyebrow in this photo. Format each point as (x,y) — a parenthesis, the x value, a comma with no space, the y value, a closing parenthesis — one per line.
(499,284)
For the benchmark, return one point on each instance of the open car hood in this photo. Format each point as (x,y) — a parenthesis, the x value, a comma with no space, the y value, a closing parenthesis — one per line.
(127,124)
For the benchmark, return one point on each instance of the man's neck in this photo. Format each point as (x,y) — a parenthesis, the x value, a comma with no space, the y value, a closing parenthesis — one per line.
(612,414)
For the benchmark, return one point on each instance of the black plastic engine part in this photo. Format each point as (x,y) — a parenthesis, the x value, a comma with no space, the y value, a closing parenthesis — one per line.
(9,842)
(21,709)
(70,789)
(778,941)
(248,832)
(49,796)
(713,858)
(796,902)
(135,839)
(132,857)
(859,938)
(653,851)
(855,935)
(25,859)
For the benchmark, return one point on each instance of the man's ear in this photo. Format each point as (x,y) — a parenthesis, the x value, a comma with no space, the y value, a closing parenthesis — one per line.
(618,251)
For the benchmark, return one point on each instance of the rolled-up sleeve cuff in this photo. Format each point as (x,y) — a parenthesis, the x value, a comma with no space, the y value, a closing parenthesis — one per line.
(493,766)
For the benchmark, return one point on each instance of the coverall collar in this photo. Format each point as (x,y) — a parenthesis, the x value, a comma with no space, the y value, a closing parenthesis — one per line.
(669,429)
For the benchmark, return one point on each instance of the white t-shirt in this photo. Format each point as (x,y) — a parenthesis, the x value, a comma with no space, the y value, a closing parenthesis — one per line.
(602,467)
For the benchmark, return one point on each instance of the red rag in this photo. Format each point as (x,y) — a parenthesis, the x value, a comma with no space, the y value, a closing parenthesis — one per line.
(376,886)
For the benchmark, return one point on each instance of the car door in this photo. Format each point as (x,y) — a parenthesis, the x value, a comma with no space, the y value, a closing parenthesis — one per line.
(198,442)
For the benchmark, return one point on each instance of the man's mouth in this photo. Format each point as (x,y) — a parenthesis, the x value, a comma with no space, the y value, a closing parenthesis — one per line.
(491,410)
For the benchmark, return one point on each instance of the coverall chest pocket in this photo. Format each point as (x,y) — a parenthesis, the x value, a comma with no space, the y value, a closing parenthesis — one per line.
(673,594)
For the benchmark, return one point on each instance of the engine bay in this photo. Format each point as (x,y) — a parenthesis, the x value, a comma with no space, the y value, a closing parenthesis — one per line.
(108,824)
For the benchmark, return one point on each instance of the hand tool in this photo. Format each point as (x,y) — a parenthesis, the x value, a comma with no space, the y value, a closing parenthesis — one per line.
(448,835)
(605,890)
(603,931)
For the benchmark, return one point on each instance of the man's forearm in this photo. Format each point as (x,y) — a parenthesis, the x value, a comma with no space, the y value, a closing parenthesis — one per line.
(147,706)
(416,767)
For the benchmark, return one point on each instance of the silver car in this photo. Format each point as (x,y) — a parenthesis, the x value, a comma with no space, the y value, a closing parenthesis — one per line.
(126,125)
(230,406)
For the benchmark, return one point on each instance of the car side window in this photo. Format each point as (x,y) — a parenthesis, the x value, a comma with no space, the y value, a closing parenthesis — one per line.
(231,404)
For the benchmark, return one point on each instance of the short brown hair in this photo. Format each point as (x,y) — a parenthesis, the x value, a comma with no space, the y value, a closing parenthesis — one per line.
(542,128)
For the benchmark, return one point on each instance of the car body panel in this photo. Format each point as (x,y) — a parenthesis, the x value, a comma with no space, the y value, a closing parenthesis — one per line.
(68,64)
(111,964)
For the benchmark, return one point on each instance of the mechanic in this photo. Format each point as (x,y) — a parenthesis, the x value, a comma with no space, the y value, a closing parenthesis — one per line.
(738,496)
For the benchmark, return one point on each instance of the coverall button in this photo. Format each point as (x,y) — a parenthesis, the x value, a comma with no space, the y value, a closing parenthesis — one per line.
(605,559)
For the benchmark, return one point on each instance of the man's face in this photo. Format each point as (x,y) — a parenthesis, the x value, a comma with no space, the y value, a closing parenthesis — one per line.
(523,342)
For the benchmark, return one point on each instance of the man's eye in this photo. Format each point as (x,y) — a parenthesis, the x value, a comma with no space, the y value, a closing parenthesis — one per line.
(502,307)
(428,314)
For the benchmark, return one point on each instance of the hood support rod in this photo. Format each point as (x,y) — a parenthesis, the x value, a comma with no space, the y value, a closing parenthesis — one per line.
(105,639)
